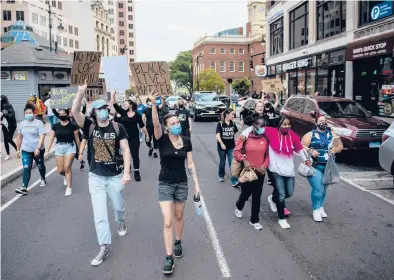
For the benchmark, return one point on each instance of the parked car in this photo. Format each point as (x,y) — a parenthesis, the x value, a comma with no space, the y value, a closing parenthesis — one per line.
(356,126)
(206,104)
(386,151)
(225,99)
(172,102)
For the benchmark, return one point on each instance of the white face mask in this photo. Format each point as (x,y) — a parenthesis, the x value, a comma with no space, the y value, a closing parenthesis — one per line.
(149,103)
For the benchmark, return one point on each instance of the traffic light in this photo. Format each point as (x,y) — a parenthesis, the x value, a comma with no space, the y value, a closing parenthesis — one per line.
(251,64)
(263,60)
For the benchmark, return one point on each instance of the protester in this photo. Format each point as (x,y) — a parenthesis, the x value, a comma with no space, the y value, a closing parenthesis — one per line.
(184,117)
(173,187)
(105,139)
(39,107)
(147,119)
(269,112)
(254,155)
(255,95)
(67,141)
(226,131)
(49,112)
(131,121)
(258,111)
(30,145)
(317,143)
(8,124)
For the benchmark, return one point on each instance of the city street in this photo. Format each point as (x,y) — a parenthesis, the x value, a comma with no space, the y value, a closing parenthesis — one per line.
(48,236)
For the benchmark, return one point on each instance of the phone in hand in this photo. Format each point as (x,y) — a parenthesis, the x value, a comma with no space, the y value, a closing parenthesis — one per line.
(158,101)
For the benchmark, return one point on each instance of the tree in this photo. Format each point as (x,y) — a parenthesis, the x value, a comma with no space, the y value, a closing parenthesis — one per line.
(209,79)
(242,86)
(181,70)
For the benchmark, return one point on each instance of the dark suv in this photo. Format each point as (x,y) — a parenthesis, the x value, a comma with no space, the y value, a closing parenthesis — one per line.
(347,118)
(206,104)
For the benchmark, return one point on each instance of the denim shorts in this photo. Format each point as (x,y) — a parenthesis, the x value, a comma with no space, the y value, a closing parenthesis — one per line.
(63,149)
(176,192)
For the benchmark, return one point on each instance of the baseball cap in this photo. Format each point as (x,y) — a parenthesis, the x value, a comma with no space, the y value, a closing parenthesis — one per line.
(99,103)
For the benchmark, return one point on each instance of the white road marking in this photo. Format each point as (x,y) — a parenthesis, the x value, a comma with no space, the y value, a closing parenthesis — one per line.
(3,207)
(221,259)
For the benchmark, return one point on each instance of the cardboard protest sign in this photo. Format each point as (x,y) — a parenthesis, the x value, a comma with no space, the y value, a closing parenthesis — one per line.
(272,85)
(120,97)
(63,97)
(86,66)
(148,76)
(116,72)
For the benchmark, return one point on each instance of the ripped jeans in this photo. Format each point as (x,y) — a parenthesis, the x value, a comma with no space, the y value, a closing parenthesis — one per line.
(27,163)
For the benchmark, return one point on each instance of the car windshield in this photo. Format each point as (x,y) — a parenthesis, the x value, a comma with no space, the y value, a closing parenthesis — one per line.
(173,98)
(342,109)
(206,97)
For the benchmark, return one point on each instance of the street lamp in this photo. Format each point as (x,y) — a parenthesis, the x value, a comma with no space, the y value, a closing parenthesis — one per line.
(198,71)
(60,28)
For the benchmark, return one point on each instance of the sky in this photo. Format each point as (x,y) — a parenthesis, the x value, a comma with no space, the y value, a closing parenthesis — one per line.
(165,28)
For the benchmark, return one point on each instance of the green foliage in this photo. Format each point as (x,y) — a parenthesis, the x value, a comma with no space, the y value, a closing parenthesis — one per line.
(181,70)
(242,86)
(209,79)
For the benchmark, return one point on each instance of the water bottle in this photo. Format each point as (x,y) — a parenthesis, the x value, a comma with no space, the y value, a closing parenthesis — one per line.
(197,204)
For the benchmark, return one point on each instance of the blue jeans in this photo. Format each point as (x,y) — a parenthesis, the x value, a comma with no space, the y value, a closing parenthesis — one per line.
(27,164)
(52,120)
(222,163)
(283,188)
(319,191)
(100,188)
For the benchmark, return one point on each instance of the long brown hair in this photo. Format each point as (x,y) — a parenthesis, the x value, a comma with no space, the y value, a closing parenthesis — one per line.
(225,113)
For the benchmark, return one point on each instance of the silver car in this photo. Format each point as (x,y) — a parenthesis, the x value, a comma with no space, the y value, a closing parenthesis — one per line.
(386,150)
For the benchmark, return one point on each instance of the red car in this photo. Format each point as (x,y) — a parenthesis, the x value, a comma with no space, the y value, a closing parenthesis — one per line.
(356,126)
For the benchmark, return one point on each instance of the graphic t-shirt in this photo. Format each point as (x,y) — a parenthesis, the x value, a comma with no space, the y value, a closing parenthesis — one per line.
(64,133)
(269,116)
(227,133)
(101,162)
(183,116)
(172,160)
(31,132)
(141,109)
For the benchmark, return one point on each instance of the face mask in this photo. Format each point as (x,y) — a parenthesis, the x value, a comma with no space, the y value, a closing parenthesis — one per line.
(149,104)
(102,114)
(322,126)
(181,106)
(260,130)
(176,129)
(64,118)
(29,116)
(267,105)
(284,130)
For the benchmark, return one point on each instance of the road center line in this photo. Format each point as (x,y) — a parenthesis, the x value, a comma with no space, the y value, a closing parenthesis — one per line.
(221,259)
(4,206)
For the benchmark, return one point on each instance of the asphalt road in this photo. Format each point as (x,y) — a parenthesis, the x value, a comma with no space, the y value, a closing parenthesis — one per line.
(47,236)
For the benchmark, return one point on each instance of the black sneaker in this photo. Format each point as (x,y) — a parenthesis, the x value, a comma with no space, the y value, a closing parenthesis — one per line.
(137,175)
(178,250)
(82,165)
(169,265)
(155,155)
(21,190)
(150,152)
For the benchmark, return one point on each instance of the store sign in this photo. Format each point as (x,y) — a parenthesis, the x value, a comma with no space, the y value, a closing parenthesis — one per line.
(19,75)
(370,49)
(60,75)
(274,13)
(261,70)
(45,75)
(6,75)
(382,10)
(296,64)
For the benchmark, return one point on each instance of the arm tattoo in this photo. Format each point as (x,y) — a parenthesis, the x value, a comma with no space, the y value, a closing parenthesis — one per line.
(191,172)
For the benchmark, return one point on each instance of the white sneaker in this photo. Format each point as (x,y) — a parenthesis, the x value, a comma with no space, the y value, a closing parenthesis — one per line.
(257,226)
(7,158)
(69,191)
(323,214)
(64,181)
(284,224)
(122,230)
(317,216)
(238,213)
(43,183)
(102,255)
(272,204)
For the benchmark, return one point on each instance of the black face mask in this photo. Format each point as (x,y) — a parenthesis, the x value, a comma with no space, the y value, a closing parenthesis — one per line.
(64,118)
(181,106)
(322,126)
(267,106)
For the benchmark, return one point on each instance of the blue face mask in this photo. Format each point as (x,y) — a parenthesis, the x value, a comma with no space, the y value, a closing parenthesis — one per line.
(260,130)
(29,116)
(102,114)
(176,129)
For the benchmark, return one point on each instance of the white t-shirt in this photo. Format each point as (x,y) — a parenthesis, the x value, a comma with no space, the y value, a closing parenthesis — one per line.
(47,104)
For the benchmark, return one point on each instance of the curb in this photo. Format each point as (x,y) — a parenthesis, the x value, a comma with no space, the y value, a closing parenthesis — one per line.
(15,174)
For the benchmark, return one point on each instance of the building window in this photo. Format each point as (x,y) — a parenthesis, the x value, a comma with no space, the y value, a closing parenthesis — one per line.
(213,65)
(331,18)
(131,60)
(59,5)
(76,44)
(7,15)
(110,11)
(131,34)
(121,23)
(106,28)
(65,41)
(102,26)
(58,39)
(5,29)
(71,43)
(129,1)
(222,51)
(122,41)
(299,26)
(130,9)
(232,51)
(276,37)
(34,18)
(70,29)
(121,33)
(222,66)
(130,26)
(76,31)
(232,67)
(120,5)
(120,14)
(130,52)
(20,15)
(54,3)
(130,17)
(240,66)
(212,51)
(371,11)
(43,21)
(131,43)
(241,51)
